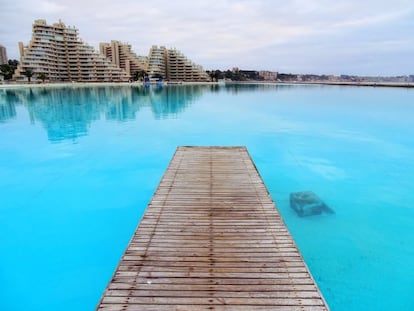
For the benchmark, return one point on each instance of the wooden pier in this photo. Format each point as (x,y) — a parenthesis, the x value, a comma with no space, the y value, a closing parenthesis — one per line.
(212,239)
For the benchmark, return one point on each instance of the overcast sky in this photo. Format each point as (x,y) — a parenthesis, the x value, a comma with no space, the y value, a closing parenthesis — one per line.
(364,37)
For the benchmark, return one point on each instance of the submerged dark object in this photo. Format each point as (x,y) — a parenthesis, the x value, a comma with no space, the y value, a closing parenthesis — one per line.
(307,203)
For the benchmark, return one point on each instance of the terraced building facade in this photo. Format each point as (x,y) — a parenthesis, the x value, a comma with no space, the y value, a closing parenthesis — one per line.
(170,64)
(123,57)
(58,54)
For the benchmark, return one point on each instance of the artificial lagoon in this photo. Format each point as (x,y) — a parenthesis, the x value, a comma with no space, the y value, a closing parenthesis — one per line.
(78,166)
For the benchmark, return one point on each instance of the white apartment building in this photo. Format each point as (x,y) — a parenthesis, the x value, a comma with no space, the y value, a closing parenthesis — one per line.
(268,75)
(180,68)
(157,62)
(3,55)
(57,52)
(123,57)
(170,64)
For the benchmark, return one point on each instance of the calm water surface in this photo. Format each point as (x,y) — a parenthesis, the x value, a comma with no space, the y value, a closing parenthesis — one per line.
(79,165)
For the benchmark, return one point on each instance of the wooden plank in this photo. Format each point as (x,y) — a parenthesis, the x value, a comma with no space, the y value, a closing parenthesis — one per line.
(210,300)
(134,281)
(126,287)
(212,239)
(209,307)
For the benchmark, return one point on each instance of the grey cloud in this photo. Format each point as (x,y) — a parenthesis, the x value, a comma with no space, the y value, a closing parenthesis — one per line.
(298,35)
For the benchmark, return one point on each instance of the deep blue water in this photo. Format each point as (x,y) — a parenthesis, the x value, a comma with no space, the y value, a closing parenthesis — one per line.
(78,166)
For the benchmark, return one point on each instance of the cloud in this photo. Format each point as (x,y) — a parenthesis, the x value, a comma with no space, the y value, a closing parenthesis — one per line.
(49,7)
(223,33)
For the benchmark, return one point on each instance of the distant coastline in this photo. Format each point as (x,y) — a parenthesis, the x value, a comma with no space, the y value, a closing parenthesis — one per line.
(370,84)
(87,84)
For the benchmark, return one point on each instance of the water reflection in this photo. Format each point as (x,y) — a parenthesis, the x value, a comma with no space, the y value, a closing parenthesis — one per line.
(236,88)
(66,113)
(8,101)
(7,111)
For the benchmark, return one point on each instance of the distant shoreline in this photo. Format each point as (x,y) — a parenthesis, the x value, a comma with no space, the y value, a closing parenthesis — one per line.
(87,84)
(338,83)
(372,84)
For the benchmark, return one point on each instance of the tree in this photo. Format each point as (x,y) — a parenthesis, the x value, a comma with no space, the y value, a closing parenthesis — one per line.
(137,75)
(211,74)
(215,75)
(218,75)
(29,74)
(42,76)
(228,74)
(13,63)
(7,70)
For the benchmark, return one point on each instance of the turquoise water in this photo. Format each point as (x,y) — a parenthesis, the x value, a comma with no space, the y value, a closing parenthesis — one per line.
(79,165)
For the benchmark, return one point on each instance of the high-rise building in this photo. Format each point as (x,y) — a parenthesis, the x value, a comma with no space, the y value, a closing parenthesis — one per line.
(58,54)
(180,68)
(170,64)
(122,56)
(157,62)
(268,75)
(3,55)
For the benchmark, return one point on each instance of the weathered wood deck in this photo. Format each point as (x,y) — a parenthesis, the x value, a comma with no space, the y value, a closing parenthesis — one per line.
(212,239)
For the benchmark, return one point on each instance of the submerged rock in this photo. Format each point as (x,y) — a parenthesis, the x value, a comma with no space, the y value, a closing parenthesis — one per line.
(307,203)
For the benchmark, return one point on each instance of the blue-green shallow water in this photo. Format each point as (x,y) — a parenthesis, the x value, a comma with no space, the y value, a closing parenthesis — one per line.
(79,165)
